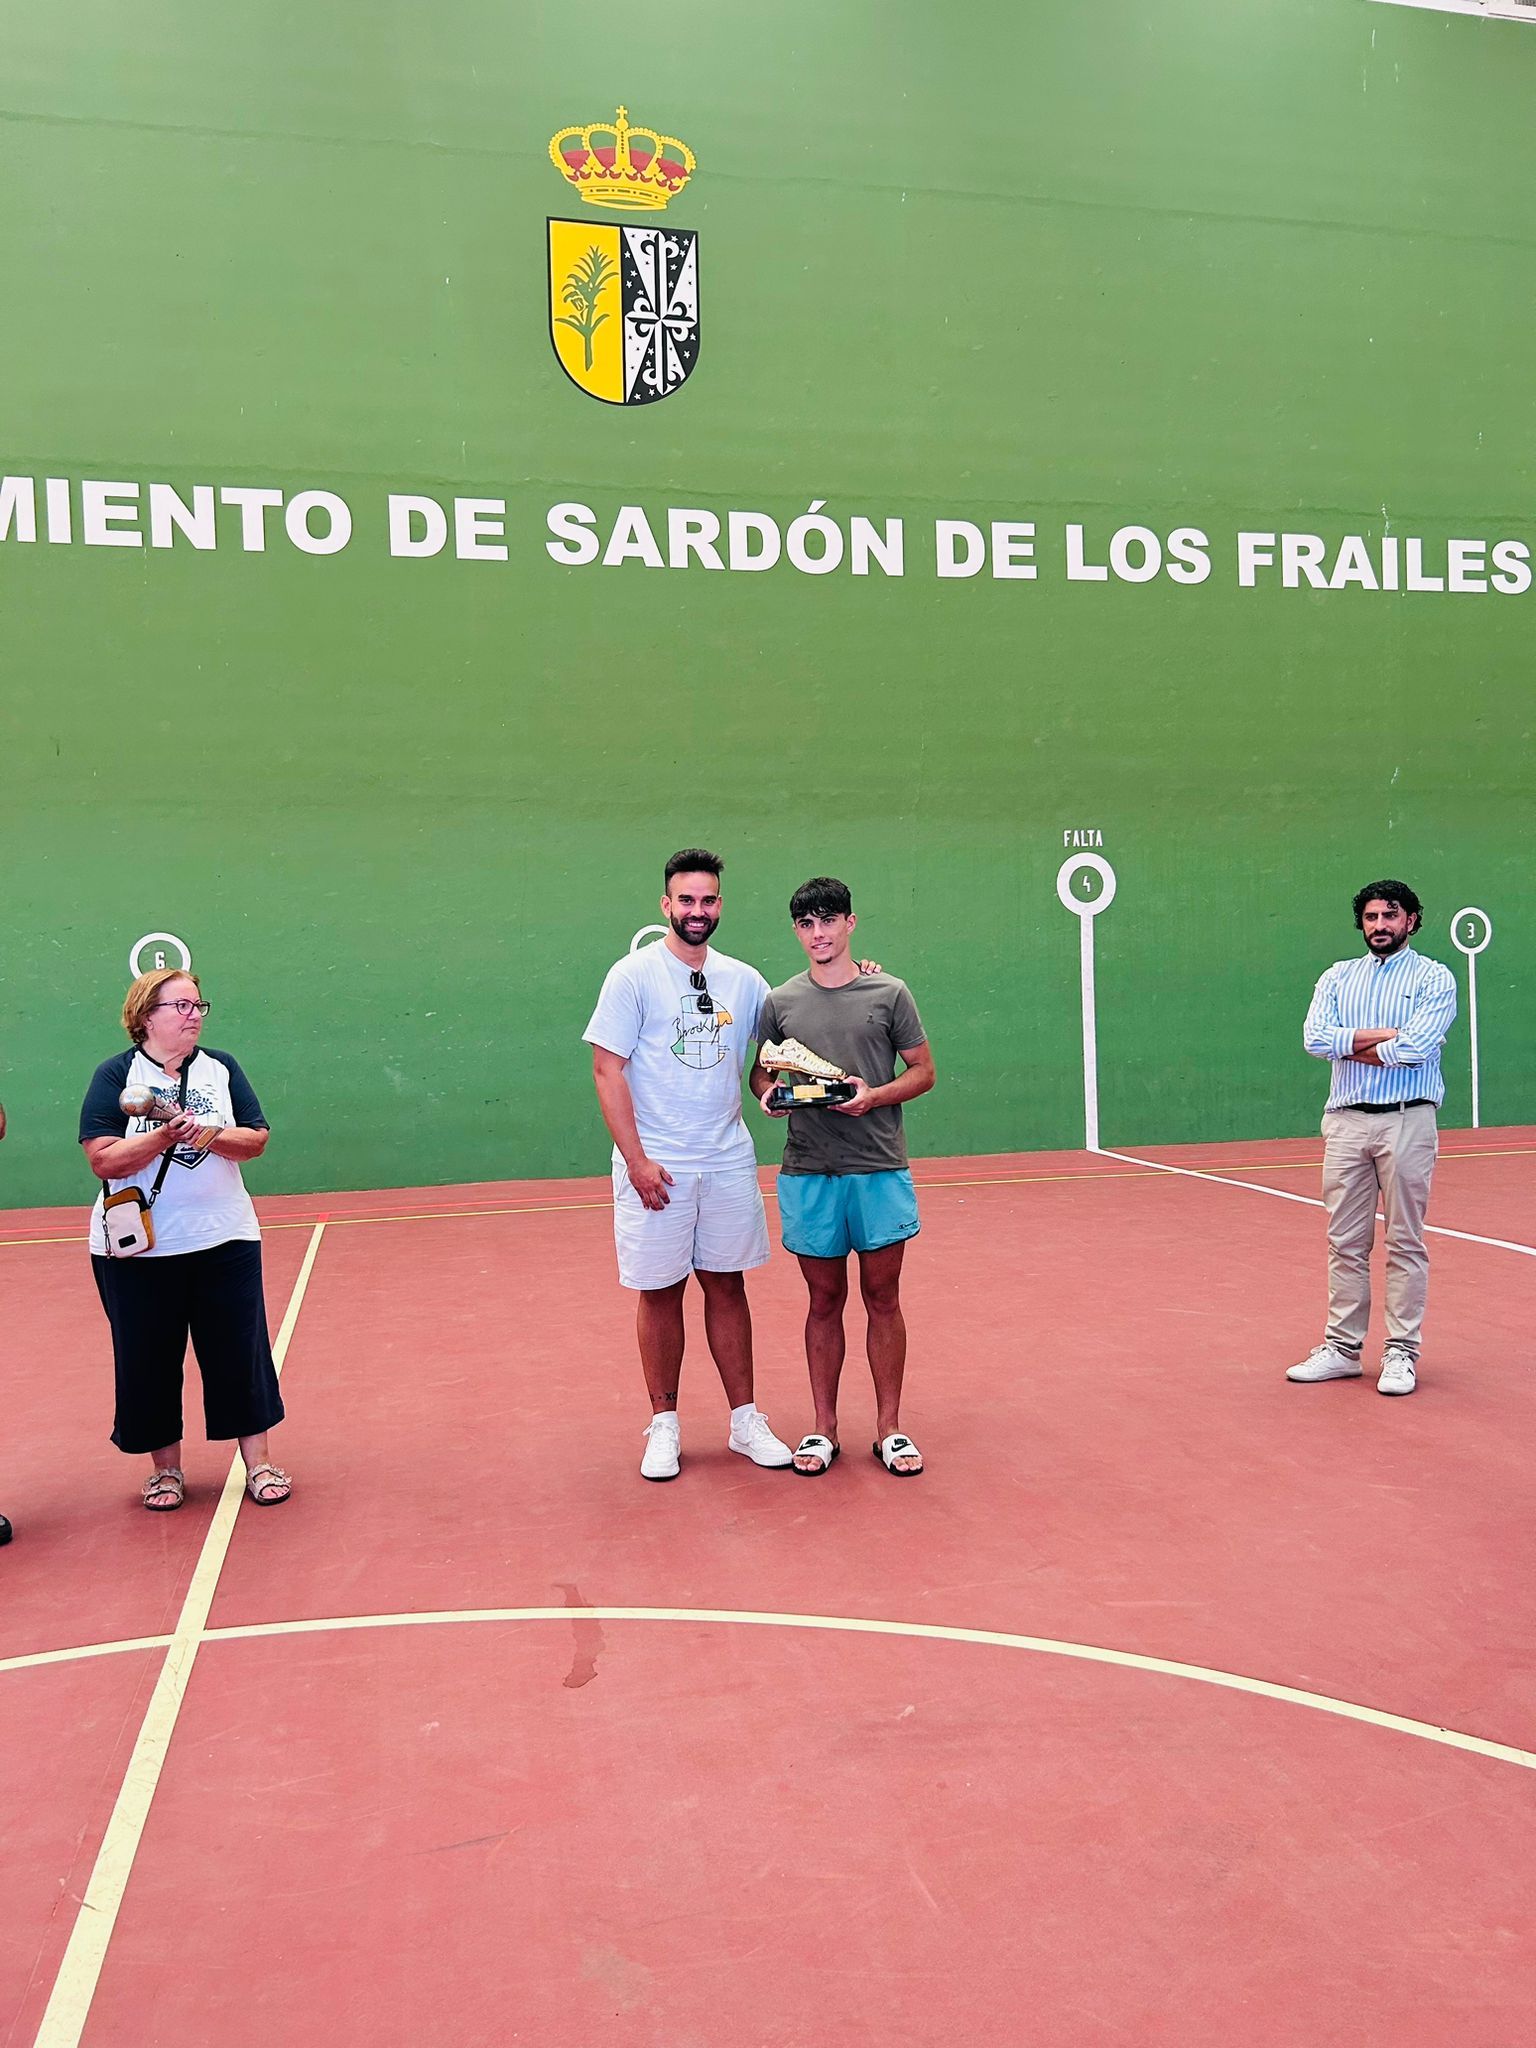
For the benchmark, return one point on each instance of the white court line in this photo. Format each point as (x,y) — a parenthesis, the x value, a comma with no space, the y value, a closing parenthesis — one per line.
(75,1986)
(1045,1646)
(1049,1646)
(1254,1187)
(34,1658)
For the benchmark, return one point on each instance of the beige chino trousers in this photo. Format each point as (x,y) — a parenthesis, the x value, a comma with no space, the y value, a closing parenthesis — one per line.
(1366,1158)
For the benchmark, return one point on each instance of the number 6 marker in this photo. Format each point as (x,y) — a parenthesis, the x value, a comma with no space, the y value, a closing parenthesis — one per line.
(159,941)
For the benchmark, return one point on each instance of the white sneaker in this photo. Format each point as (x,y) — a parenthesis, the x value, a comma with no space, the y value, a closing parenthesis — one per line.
(758,1442)
(663,1447)
(1399,1374)
(1324,1363)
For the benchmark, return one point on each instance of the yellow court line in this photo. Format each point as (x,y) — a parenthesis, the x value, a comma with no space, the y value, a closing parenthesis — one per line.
(335,1222)
(995,1181)
(458,1215)
(561,1208)
(1047,1646)
(69,2003)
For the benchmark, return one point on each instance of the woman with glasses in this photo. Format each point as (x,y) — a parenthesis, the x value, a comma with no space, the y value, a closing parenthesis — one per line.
(201,1276)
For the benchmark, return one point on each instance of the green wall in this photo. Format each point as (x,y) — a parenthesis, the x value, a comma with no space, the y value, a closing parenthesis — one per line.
(1266,267)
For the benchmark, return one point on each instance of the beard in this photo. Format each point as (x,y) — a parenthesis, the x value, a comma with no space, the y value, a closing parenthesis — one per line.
(1386,942)
(703,928)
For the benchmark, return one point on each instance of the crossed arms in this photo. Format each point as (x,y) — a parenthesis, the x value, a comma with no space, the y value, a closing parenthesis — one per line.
(1431,1017)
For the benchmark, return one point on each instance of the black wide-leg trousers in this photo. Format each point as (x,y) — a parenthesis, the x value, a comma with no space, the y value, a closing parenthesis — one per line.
(154,1305)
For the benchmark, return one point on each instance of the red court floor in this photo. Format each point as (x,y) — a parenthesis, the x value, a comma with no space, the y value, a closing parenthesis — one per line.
(1173,1703)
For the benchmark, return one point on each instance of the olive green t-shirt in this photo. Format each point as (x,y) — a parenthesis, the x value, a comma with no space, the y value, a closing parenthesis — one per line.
(860,1027)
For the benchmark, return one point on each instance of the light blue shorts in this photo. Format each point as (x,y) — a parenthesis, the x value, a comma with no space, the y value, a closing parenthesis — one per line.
(829,1215)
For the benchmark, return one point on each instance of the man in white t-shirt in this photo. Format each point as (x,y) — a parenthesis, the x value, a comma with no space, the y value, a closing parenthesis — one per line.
(669,1039)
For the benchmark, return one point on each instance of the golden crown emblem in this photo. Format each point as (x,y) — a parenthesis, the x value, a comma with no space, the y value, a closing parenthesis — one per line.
(612,164)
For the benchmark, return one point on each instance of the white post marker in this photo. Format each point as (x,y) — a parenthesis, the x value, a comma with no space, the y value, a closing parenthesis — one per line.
(1076,889)
(646,935)
(156,943)
(1465,927)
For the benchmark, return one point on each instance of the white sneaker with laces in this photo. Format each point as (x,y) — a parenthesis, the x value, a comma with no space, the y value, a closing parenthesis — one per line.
(1399,1372)
(758,1442)
(663,1447)
(1324,1363)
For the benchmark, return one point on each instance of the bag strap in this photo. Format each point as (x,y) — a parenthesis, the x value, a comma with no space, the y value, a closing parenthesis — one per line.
(165,1157)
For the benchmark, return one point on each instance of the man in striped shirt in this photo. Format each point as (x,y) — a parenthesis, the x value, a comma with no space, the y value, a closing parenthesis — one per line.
(1381,1019)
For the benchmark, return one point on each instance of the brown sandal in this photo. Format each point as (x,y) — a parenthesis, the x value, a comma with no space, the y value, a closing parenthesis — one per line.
(268,1485)
(167,1480)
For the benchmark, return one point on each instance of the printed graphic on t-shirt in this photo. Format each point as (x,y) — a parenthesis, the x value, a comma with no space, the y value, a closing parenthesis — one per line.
(698,1043)
(199,1104)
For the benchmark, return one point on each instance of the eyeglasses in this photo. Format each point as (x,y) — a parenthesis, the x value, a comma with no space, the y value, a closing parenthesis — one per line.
(183,1007)
(705,1004)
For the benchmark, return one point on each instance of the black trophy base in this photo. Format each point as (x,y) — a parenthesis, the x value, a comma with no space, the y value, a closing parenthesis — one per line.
(806,1093)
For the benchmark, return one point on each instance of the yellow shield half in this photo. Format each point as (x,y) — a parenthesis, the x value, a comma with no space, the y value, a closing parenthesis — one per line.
(586,306)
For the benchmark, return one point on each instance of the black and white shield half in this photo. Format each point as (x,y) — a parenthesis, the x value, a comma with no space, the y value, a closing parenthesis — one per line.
(660,282)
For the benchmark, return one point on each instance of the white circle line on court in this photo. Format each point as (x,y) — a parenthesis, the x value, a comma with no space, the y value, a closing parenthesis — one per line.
(34,1660)
(1045,1646)
(937,1632)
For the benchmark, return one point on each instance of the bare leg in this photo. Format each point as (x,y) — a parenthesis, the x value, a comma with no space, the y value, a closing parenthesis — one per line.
(659,1326)
(728,1326)
(886,1342)
(826,1282)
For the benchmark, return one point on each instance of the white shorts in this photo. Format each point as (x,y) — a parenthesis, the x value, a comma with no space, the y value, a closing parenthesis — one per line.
(714,1223)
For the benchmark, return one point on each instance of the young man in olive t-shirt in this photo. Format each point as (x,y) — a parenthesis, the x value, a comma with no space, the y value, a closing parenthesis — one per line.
(844,1186)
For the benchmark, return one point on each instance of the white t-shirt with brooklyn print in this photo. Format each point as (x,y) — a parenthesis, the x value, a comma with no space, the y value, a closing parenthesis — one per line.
(685,1060)
(202,1200)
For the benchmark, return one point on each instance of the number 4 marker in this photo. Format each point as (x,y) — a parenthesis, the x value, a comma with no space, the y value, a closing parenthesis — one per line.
(1086,865)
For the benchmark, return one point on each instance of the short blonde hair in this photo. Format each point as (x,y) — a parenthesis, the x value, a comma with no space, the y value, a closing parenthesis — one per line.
(140,999)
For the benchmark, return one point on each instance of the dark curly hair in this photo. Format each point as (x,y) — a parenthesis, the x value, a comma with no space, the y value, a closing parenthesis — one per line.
(1387,892)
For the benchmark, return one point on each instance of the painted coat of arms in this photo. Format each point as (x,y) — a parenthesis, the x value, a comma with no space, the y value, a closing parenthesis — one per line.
(623,300)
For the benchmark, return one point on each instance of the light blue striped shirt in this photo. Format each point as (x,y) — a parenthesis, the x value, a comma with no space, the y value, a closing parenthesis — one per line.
(1405,993)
